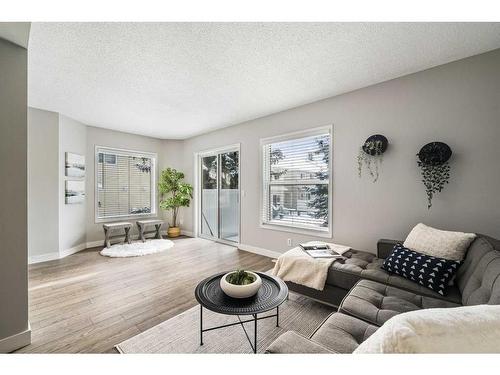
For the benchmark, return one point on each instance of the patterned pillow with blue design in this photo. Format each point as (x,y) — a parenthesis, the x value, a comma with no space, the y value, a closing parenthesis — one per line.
(431,272)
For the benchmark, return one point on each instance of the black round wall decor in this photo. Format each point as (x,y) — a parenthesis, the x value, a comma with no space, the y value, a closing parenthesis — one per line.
(372,141)
(434,153)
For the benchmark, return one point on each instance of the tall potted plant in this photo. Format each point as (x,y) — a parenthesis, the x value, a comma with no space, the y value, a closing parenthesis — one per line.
(174,193)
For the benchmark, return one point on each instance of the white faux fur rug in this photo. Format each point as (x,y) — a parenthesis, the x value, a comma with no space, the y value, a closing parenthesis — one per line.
(137,249)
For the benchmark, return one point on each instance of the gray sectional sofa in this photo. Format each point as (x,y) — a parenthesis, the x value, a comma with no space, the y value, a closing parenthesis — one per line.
(367,296)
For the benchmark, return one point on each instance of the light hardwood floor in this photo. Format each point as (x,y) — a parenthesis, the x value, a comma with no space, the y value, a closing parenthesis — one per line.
(89,303)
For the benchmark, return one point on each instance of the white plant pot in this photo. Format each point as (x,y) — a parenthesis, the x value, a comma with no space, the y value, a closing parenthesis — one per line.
(241,291)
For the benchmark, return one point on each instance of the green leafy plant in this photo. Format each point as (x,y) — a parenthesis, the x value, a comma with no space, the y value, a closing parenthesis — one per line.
(174,192)
(240,277)
(371,155)
(434,177)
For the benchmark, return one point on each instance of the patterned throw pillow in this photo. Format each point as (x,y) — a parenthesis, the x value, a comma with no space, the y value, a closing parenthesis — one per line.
(431,272)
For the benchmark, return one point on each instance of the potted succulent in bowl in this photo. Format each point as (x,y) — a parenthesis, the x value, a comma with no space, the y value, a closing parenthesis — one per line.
(240,284)
(175,193)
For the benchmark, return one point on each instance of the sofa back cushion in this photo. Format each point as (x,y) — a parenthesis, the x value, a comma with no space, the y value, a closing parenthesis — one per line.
(439,243)
(478,278)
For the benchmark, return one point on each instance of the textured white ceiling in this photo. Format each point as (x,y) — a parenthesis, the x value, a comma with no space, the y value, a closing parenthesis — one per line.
(176,80)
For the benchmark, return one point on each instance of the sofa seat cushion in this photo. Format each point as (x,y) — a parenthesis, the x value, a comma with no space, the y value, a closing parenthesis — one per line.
(376,303)
(452,293)
(291,342)
(341,333)
(344,273)
(363,265)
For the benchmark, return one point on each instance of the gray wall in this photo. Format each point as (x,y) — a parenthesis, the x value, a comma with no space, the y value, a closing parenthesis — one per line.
(457,103)
(13,197)
(43,183)
(72,223)
(172,155)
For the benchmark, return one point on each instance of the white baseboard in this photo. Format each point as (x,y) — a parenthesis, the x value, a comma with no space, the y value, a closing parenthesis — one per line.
(43,258)
(64,253)
(95,244)
(14,342)
(259,250)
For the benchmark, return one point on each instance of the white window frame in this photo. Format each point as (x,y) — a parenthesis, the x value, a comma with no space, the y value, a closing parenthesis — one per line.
(264,194)
(124,152)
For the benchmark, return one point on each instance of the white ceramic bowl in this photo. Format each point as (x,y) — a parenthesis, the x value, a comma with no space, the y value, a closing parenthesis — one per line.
(241,291)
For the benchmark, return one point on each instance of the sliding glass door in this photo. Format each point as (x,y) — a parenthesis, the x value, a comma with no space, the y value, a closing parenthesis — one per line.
(209,196)
(220,195)
(229,196)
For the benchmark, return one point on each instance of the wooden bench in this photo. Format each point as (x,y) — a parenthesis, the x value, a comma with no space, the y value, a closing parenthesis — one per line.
(143,224)
(108,228)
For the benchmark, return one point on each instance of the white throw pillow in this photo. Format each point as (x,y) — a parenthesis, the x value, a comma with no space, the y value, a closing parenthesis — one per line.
(467,329)
(439,243)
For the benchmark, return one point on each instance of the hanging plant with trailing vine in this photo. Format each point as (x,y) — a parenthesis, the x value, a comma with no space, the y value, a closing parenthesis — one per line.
(371,155)
(433,162)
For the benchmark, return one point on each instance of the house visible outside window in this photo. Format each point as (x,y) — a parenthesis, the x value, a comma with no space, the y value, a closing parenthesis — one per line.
(125,184)
(107,158)
(296,181)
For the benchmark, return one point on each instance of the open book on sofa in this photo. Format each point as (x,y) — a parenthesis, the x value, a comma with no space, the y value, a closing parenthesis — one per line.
(323,249)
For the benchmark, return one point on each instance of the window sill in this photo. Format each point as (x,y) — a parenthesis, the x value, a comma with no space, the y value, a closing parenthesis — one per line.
(122,218)
(297,230)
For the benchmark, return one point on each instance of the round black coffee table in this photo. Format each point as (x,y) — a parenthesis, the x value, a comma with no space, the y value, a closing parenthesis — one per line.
(271,295)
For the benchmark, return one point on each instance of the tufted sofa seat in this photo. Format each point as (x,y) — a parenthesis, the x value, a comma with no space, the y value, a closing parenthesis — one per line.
(339,333)
(362,265)
(342,333)
(376,303)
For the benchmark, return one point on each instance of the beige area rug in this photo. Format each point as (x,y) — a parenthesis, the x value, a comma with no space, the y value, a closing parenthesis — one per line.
(181,334)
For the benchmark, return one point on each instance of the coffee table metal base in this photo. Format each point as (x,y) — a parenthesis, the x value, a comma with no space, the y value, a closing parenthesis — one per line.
(241,322)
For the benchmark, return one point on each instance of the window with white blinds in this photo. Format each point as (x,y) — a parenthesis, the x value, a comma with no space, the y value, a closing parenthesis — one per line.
(296,181)
(125,183)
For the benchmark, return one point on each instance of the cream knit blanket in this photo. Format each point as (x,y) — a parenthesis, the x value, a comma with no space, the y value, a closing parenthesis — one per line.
(299,268)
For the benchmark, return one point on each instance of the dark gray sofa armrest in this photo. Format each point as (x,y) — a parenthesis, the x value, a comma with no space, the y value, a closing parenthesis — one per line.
(384,247)
(292,343)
